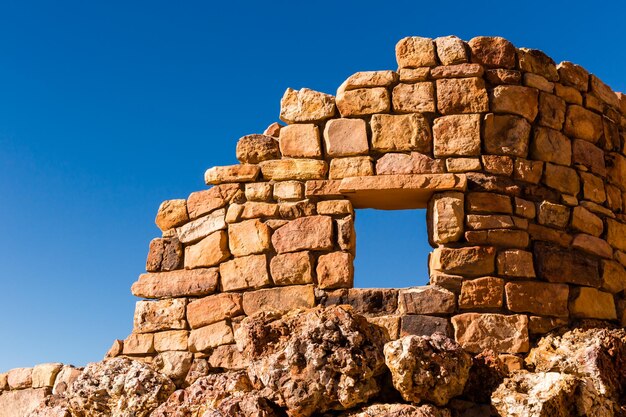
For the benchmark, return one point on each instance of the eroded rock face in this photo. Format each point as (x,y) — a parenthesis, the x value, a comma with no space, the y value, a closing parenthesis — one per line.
(315,360)
(399,410)
(427,368)
(118,387)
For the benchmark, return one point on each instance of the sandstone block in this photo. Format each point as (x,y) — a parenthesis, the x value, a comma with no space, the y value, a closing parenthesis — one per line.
(174,365)
(586,222)
(345,137)
(569,94)
(203,202)
(210,336)
(457,71)
(20,378)
(164,255)
(332,207)
(551,111)
(306,233)
(258,191)
(409,132)
(389,324)
(370,79)
(463,95)
(498,164)
(524,208)
(590,303)
(538,82)
(515,263)
(463,164)
(528,171)
(414,98)
(172,340)
(202,227)
(616,169)
(292,268)
(227,357)
(457,135)
(210,251)
(335,270)
(583,124)
(171,213)
(413,163)
(363,101)
(470,261)
(586,154)
(372,301)
(421,325)
(244,273)
(613,276)
(288,190)
(561,178)
(252,149)
(616,234)
(603,92)
(505,334)
(451,50)
(44,375)
(139,344)
(566,266)
(537,62)
(346,236)
(179,283)
(555,215)
(492,52)
(537,298)
(154,316)
(592,245)
(489,203)
(294,169)
(279,299)
(231,173)
(551,146)
(499,76)
(65,378)
(258,209)
(506,135)
(212,309)
(499,237)
(481,293)
(296,209)
(426,300)
(489,221)
(543,325)
(355,166)
(414,51)
(447,217)
(302,106)
(300,141)
(522,101)
(573,75)
(413,75)
(248,237)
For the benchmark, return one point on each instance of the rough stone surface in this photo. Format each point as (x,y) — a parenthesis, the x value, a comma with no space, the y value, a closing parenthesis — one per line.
(492,52)
(345,137)
(462,95)
(409,132)
(22,402)
(279,299)
(252,149)
(426,300)
(506,135)
(427,368)
(306,233)
(152,316)
(363,101)
(301,106)
(247,272)
(457,135)
(179,283)
(171,213)
(474,260)
(292,268)
(300,141)
(210,251)
(413,163)
(538,298)
(476,332)
(522,101)
(447,217)
(414,98)
(414,52)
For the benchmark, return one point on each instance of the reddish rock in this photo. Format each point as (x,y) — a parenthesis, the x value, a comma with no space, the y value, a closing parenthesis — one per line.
(499,76)
(414,98)
(561,178)
(252,149)
(555,215)
(203,202)
(413,163)
(216,334)
(573,75)
(457,135)
(355,166)
(551,111)
(516,263)
(292,268)
(463,95)
(421,325)
(426,301)
(210,251)
(231,173)
(345,137)
(294,169)
(473,261)
(153,316)
(537,298)
(537,62)
(164,255)
(414,51)
(506,135)
(522,101)
(363,101)
(248,237)
(286,298)
(181,283)
(492,52)
(335,270)
(244,273)
(457,71)
(505,334)
(489,203)
(551,146)
(451,50)
(300,141)
(306,233)
(566,266)
(301,106)
(212,309)
(583,124)
(481,293)
(370,79)
(171,213)
(589,155)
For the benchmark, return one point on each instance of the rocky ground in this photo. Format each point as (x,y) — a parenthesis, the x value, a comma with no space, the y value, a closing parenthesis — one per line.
(332,362)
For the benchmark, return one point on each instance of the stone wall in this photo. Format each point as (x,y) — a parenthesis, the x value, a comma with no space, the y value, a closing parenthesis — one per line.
(519,162)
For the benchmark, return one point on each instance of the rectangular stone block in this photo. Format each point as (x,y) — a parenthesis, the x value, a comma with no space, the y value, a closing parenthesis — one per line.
(480,202)
(289,191)
(292,268)
(231,173)
(258,191)
(426,300)
(305,233)
(202,227)
(390,324)
(249,237)
(300,141)
(537,298)
(335,270)
(413,163)
(210,251)
(372,301)
(446,223)
(306,105)
(213,308)
(44,374)
(247,272)
(516,263)
(462,95)
(21,403)
(345,137)
(499,237)
(457,135)
(154,316)
(181,283)
(138,344)
(590,303)
(355,166)
(561,178)
(414,98)
(20,378)
(203,202)
(613,276)
(392,133)
(583,124)
(363,101)
(469,261)
(171,340)
(566,266)
(481,293)
(164,255)
(504,334)
(420,325)
(279,299)
(332,207)
(210,336)
(616,234)
(294,169)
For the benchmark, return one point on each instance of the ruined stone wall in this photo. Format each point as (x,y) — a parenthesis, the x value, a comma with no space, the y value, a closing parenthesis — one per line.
(519,162)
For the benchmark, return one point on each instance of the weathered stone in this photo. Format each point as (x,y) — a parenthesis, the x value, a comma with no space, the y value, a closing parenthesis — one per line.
(451,50)
(551,146)
(252,149)
(457,71)
(513,99)
(180,283)
(463,164)
(118,387)
(446,224)
(524,208)
(300,141)
(335,270)
(551,111)
(492,52)
(421,325)
(116,349)
(138,344)
(23,402)
(44,374)
(555,215)
(616,234)
(498,164)
(302,106)
(397,410)
(473,261)
(426,300)
(587,222)
(529,171)
(499,237)
(538,82)
(210,251)
(505,334)
(500,76)
(413,163)
(537,298)
(174,365)
(248,237)
(370,79)
(590,156)
(613,197)
(334,207)
(20,378)
(171,213)
(227,357)
(257,209)
(209,310)
(345,137)
(164,255)
(603,91)
(489,221)
(202,227)
(548,234)
(613,276)
(372,301)
(346,236)
(306,233)
(363,101)
(66,377)
(288,190)
(583,124)
(244,273)
(457,135)
(427,368)
(573,75)
(172,340)
(516,263)
(279,299)
(414,98)
(213,335)
(231,173)
(412,75)
(294,169)
(535,61)
(489,203)
(154,316)
(414,51)
(616,169)
(409,132)
(481,293)
(561,178)
(463,95)
(506,135)
(592,304)
(355,166)
(203,202)
(258,191)
(548,394)
(558,265)
(543,325)
(292,268)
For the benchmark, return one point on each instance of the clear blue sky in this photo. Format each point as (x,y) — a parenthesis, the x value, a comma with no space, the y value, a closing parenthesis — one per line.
(108,108)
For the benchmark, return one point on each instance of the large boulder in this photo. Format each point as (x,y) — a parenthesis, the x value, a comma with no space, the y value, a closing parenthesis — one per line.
(118,387)
(428,368)
(315,360)
(398,410)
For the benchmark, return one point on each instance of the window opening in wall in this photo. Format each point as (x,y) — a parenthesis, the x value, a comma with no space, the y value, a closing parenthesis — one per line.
(391,248)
